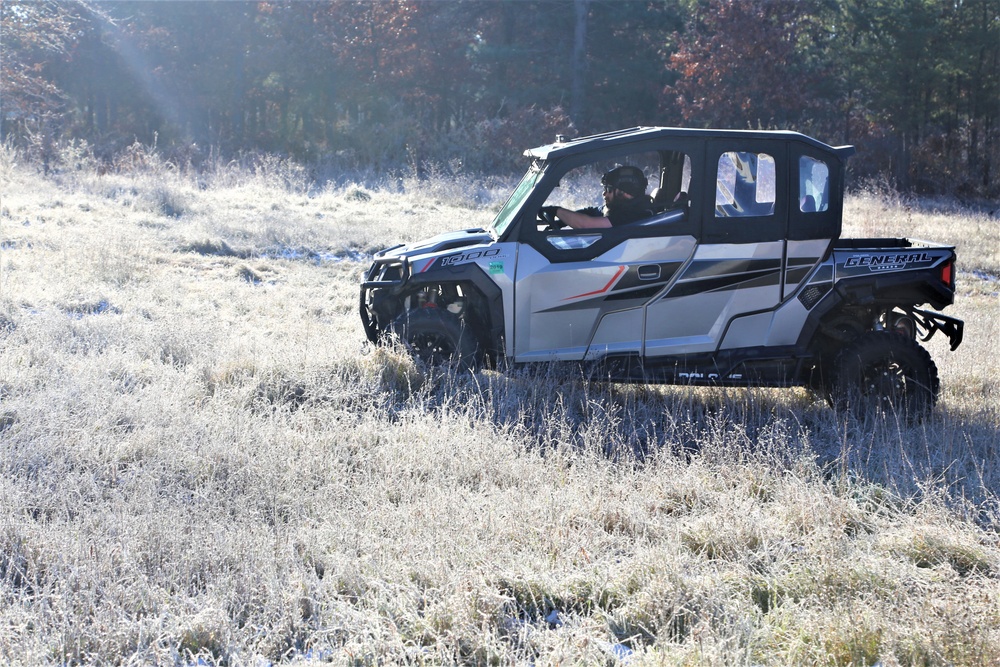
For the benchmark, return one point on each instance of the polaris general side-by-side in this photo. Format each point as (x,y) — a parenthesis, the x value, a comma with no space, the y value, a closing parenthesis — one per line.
(735,274)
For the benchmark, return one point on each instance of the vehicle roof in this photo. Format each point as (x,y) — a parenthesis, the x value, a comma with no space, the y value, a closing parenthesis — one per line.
(563,147)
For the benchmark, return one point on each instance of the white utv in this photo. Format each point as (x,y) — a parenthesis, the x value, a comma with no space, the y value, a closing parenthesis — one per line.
(736,275)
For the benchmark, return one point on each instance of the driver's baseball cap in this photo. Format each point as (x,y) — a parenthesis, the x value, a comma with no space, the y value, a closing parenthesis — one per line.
(628,179)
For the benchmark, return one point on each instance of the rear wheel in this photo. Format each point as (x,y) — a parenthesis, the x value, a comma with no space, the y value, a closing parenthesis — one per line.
(881,373)
(437,338)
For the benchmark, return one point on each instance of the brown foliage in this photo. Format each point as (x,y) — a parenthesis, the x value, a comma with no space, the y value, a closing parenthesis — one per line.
(740,64)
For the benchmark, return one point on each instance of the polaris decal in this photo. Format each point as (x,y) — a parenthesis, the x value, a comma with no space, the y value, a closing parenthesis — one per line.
(888,262)
(696,375)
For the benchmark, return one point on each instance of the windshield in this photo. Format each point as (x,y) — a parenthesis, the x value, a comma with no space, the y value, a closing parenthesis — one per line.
(513,205)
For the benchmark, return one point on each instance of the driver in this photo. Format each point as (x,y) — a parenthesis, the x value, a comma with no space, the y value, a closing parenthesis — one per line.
(625,201)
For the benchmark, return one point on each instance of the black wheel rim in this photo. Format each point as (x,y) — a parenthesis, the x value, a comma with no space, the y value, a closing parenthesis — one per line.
(432,348)
(889,386)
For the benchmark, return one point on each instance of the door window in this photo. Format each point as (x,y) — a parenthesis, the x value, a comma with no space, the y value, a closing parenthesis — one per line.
(745,185)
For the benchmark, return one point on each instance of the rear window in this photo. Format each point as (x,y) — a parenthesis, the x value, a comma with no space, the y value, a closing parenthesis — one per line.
(745,185)
(814,185)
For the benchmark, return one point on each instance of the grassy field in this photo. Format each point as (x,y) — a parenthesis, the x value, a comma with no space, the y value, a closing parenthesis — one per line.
(202,461)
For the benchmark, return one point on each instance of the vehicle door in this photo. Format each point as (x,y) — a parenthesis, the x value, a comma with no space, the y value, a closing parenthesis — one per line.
(581,294)
(815,212)
(734,278)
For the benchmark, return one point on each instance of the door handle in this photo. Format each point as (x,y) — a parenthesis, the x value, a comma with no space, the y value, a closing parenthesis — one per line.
(649,272)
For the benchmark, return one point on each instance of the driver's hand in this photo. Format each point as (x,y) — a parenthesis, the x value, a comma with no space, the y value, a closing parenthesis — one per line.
(548,212)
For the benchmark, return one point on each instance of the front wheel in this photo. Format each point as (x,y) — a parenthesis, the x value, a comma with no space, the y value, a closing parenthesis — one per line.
(437,338)
(885,372)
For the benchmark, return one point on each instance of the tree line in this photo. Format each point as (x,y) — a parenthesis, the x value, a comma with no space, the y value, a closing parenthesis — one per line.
(391,84)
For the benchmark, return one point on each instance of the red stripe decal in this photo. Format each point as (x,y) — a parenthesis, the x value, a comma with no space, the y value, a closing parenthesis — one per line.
(621,269)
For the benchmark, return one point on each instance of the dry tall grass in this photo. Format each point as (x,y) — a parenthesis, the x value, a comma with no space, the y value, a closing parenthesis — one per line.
(202,462)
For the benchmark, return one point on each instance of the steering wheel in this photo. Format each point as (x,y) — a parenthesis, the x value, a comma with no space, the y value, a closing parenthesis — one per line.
(547,216)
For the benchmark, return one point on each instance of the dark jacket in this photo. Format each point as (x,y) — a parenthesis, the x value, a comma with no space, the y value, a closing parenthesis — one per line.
(628,211)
